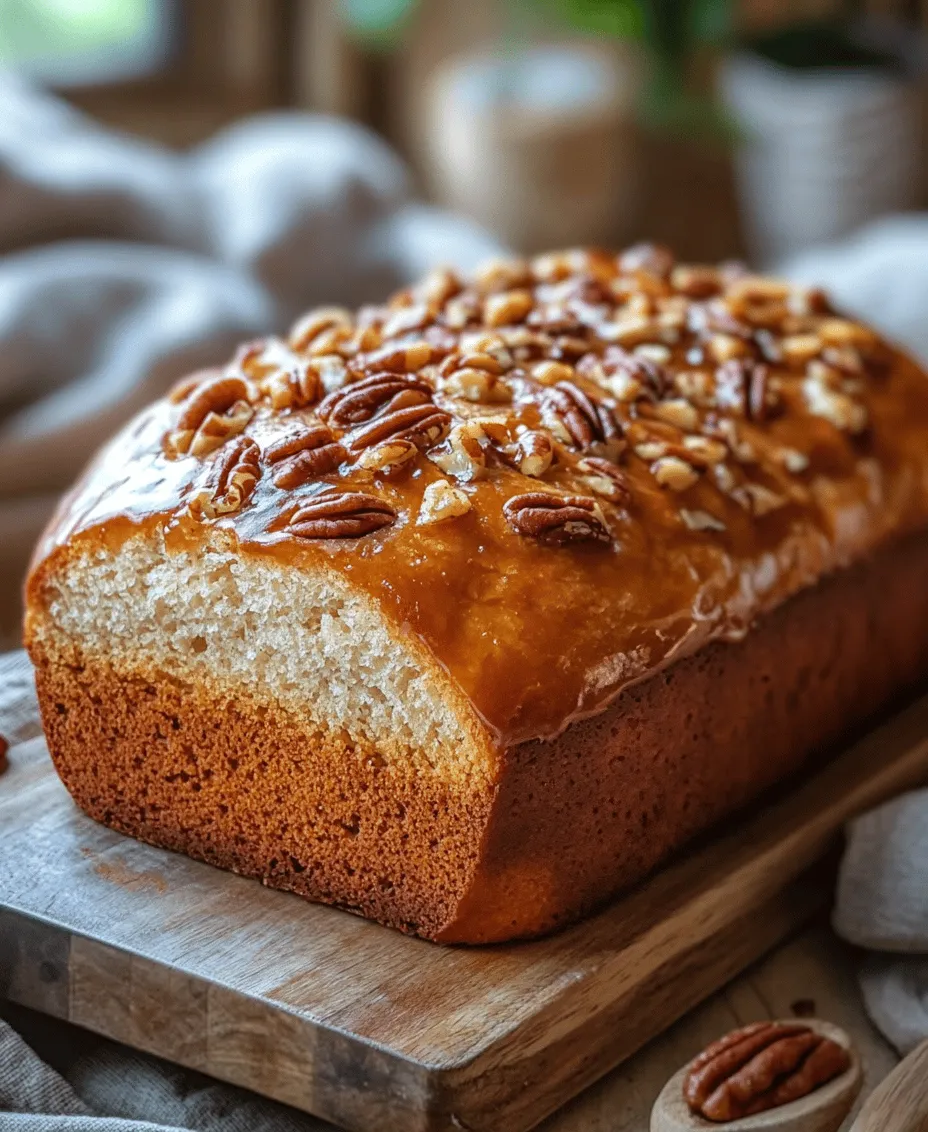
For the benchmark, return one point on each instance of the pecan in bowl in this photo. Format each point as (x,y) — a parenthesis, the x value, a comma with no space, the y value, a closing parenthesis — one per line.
(759,1067)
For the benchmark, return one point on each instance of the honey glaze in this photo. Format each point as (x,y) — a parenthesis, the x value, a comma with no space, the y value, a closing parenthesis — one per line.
(560,476)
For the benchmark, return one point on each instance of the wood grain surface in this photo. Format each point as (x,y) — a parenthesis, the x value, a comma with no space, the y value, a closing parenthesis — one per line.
(369,1029)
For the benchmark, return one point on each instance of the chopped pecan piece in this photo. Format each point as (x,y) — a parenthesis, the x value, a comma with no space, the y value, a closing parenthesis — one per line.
(761,1067)
(655,259)
(534,453)
(231,482)
(442,501)
(391,358)
(354,404)
(342,514)
(304,455)
(424,425)
(629,375)
(555,519)
(293,388)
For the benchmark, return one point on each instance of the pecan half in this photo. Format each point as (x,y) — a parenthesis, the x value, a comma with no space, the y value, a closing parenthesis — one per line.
(586,420)
(744,385)
(213,411)
(304,455)
(424,425)
(343,514)
(363,400)
(760,1067)
(555,519)
(231,482)
(605,479)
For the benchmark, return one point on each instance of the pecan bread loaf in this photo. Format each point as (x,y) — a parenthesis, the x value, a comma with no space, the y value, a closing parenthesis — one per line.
(464,611)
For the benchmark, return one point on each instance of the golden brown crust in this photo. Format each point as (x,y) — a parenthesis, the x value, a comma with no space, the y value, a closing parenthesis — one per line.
(611,459)
(563,825)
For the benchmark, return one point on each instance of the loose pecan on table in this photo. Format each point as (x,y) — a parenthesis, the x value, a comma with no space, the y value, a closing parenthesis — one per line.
(760,1067)
(342,514)
(386,392)
(231,482)
(555,519)
(303,455)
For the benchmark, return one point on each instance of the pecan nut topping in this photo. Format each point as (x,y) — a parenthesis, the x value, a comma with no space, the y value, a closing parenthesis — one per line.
(354,404)
(424,425)
(212,412)
(305,455)
(760,1067)
(555,519)
(231,481)
(744,385)
(606,479)
(586,420)
(343,514)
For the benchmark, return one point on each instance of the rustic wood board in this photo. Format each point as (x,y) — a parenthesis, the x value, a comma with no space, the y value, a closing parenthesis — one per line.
(372,1030)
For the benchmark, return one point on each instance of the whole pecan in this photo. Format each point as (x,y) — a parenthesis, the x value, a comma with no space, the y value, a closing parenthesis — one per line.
(231,481)
(760,1067)
(353,404)
(555,519)
(587,420)
(304,455)
(424,425)
(744,385)
(342,514)
(213,411)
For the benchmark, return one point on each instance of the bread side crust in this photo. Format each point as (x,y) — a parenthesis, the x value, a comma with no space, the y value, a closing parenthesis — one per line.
(584,816)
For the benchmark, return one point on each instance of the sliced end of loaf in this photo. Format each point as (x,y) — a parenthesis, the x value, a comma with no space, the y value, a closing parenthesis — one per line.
(263,718)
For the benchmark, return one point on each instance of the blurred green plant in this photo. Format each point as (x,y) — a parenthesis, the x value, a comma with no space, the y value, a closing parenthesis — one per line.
(671,32)
(377,23)
(35,29)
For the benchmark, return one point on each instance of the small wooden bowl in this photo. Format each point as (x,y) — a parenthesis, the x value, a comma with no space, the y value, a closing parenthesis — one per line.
(821,1111)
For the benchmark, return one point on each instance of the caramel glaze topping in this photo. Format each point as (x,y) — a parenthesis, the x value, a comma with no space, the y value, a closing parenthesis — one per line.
(560,475)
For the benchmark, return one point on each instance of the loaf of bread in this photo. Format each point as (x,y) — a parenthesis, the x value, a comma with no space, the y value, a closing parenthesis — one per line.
(465,611)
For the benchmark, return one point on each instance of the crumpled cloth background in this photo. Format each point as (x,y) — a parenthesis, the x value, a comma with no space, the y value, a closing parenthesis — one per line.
(125,265)
(57,1078)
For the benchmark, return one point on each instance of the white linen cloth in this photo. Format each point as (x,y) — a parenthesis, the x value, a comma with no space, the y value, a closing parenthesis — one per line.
(124,265)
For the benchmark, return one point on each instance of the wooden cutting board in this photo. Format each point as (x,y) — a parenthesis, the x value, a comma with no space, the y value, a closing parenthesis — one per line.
(373,1030)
